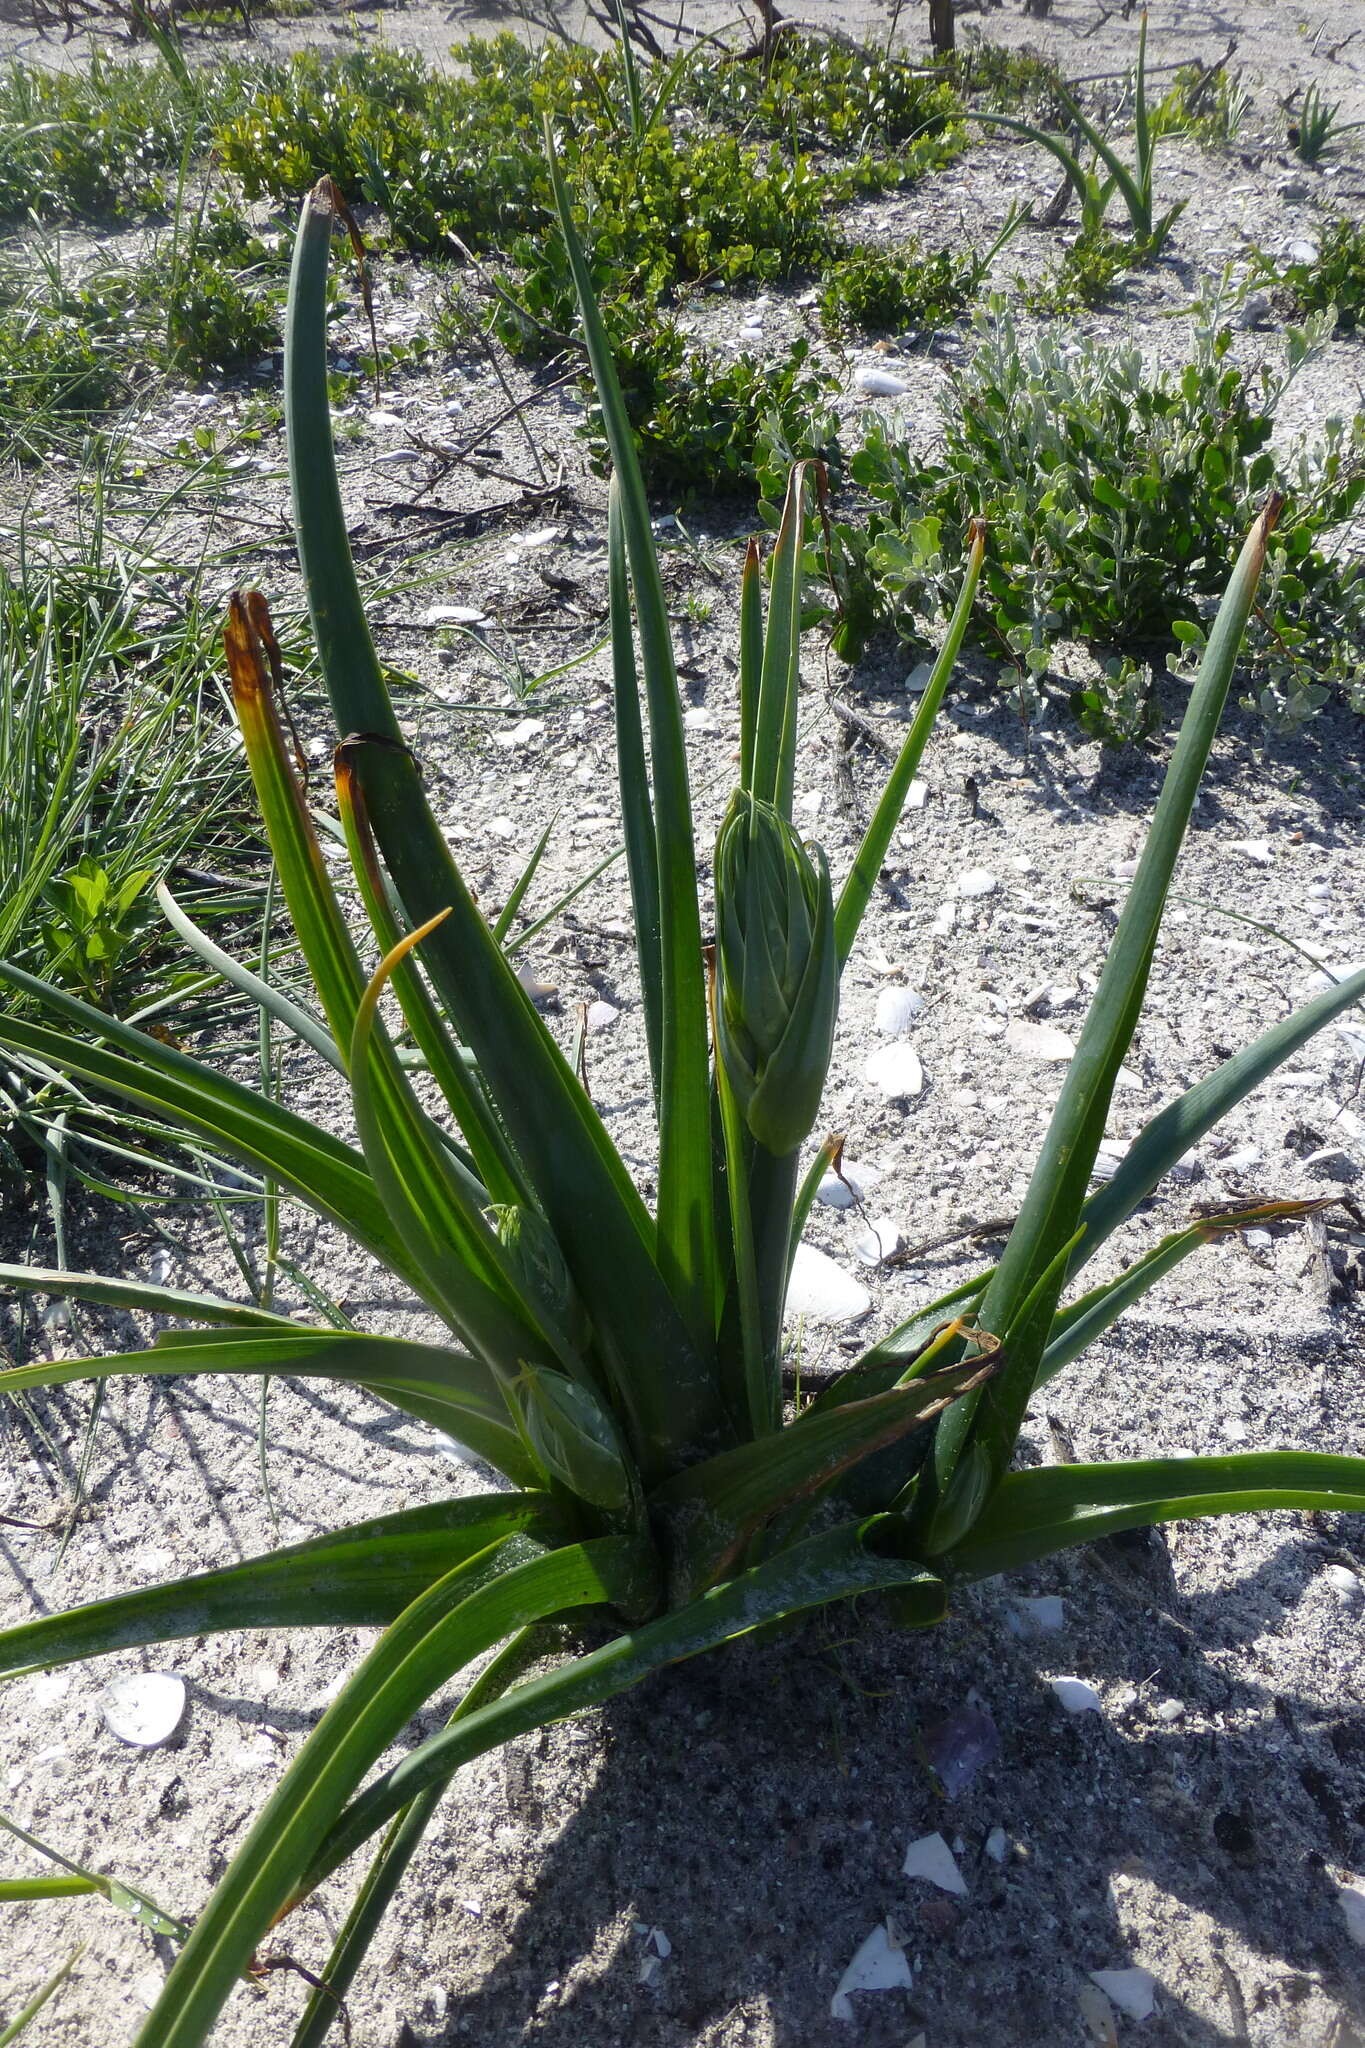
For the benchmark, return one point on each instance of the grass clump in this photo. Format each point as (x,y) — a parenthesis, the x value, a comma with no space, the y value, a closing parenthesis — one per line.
(1147,482)
(99,144)
(873,290)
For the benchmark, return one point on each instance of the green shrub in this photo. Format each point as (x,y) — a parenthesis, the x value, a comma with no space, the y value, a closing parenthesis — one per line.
(819,93)
(1089,268)
(699,423)
(873,290)
(1114,498)
(97,144)
(1335,277)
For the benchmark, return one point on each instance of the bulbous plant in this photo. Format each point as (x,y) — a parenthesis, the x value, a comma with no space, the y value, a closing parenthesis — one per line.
(620,1368)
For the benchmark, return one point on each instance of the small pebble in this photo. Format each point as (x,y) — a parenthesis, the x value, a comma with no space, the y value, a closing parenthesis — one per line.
(997,1845)
(601,1016)
(1171,1711)
(977,882)
(1257,851)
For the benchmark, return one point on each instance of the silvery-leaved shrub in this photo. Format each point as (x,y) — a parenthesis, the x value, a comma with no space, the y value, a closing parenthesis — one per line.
(1116,495)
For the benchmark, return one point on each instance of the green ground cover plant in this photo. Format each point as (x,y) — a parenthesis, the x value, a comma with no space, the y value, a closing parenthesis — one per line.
(698,420)
(622,1368)
(1147,480)
(871,289)
(1335,277)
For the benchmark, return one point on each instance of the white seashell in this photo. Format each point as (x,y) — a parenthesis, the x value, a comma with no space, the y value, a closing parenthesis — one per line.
(601,1016)
(145,1708)
(823,1290)
(977,882)
(1351,1899)
(1041,1042)
(880,1964)
(1132,1991)
(876,1241)
(896,1073)
(871,382)
(897,1009)
(932,1859)
(1076,1696)
(454,615)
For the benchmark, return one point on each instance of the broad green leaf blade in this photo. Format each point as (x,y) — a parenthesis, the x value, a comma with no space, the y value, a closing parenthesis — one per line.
(137,1294)
(358,1577)
(322,1171)
(1051,1209)
(440,1221)
(836,1565)
(274,1001)
(632,773)
(1172,1132)
(687,1249)
(862,876)
(1078,1325)
(496,1593)
(713,1509)
(1053,1507)
(582,1187)
(437,1385)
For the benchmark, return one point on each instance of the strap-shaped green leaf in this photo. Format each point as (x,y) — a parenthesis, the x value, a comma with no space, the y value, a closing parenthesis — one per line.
(664,1382)
(632,775)
(356,1577)
(495,1593)
(862,876)
(328,1175)
(138,1294)
(687,1248)
(838,1564)
(1182,1124)
(713,1509)
(1051,1210)
(1053,1507)
(1077,1326)
(436,1384)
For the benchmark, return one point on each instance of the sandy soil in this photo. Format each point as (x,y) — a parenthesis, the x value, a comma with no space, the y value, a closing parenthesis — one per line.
(757,1807)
